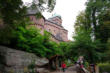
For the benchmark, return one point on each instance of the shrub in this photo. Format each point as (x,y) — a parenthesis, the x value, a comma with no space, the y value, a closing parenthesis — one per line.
(28,40)
(31,40)
(104,67)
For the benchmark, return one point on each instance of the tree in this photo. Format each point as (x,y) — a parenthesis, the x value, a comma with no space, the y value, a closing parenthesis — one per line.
(107,53)
(65,50)
(81,26)
(85,46)
(94,17)
(81,21)
(11,10)
(42,5)
(104,27)
(93,11)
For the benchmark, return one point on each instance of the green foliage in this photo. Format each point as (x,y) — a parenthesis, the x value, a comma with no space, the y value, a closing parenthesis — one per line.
(95,21)
(39,15)
(104,67)
(98,14)
(94,14)
(107,53)
(6,34)
(65,50)
(51,5)
(30,39)
(39,4)
(11,10)
(86,65)
(108,43)
(11,13)
(81,21)
(104,33)
(69,63)
(85,46)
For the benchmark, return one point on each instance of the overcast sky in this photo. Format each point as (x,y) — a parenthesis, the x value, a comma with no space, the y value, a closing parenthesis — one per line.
(68,9)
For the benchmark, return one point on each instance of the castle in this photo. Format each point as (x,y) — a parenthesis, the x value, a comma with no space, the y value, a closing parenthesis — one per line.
(52,25)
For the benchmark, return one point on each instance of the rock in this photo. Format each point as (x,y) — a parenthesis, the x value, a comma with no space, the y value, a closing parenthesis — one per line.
(42,70)
(41,61)
(16,61)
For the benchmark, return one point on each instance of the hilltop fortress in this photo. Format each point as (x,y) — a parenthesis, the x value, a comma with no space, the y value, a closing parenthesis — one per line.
(52,25)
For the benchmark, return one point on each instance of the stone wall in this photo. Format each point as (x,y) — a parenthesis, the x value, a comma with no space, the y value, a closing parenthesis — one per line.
(14,61)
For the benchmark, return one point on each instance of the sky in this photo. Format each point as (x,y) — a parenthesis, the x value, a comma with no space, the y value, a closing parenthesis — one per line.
(68,10)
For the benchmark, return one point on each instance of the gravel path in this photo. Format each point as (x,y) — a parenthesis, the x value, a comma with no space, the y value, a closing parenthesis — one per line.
(69,70)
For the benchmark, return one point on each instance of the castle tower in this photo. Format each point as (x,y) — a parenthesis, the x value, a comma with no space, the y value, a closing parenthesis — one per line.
(37,22)
(54,26)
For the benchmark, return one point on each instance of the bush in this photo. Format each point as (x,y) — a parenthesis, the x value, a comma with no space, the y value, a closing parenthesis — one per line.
(31,40)
(69,62)
(104,67)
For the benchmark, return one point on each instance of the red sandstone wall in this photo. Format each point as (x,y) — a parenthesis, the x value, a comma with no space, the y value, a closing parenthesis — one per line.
(65,35)
(54,29)
(39,23)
